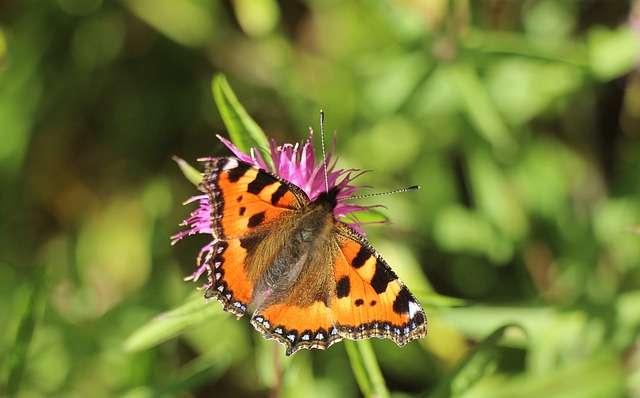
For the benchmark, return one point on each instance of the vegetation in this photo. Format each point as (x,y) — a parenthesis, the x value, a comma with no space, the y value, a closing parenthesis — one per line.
(520,120)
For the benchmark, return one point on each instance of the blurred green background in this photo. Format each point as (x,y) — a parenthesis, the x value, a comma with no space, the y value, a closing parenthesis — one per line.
(519,119)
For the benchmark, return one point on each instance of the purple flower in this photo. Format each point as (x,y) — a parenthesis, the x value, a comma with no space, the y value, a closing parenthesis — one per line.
(296,164)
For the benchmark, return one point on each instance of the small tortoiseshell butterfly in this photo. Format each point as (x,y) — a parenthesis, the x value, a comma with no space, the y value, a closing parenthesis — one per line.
(307,279)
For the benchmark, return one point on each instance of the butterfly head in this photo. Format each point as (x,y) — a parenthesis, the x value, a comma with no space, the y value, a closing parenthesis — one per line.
(328,199)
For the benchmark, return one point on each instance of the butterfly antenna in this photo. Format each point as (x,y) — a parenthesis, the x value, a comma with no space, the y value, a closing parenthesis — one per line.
(411,188)
(324,155)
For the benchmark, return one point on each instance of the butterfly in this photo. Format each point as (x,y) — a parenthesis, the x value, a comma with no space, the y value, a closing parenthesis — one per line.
(306,279)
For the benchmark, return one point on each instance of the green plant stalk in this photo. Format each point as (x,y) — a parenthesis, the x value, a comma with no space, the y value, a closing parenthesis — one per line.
(31,316)
(365,369)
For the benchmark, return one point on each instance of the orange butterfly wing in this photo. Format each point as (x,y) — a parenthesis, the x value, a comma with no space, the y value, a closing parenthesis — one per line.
(247,202)
(369,299)
(297,326)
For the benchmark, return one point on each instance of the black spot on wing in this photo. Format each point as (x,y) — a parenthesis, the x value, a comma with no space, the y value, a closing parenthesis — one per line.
(259,183)
(359,302)
(242,210)
(360,258)
(250,242)
(381,278)
(236,173)
(418,318)
(401,303)
(292,335)
(219,248)
(343,287)
(278,194)
(256,220)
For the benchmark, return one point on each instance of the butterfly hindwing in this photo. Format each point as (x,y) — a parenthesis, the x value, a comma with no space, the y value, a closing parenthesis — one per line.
(229,280)
(297,327)
(369,299)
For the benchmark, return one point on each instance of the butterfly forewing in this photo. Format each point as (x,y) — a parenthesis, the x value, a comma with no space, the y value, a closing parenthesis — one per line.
(245,199)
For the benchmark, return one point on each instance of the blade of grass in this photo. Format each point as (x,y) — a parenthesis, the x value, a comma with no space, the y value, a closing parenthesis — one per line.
(601,375)
(192,312)
(365,369)
(203,370)
(31,315)
(572,52)
(193,175)
(435,300)
(243,130)
(478,321)
(479,107)
(479,363)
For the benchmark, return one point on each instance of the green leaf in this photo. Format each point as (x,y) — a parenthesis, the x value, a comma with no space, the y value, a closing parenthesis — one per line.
(601,375)
(189,171)
(203,370)
(479,320)
(435,300)
(368,216)
(243,130)
(479,106)
(479,363)
(192,312)
(31,315)
(612,52)
(189,23)
(365,369)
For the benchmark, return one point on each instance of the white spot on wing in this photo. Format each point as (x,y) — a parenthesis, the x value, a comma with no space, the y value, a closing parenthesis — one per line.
(414,308)
(231,164)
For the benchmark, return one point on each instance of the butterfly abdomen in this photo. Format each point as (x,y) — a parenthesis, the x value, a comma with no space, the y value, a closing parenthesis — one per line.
(296,269)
